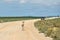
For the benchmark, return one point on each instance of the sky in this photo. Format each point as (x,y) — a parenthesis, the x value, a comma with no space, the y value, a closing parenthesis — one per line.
(29,7)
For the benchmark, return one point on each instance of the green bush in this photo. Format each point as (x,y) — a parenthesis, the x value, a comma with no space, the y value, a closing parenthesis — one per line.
(51,28)
(8,19)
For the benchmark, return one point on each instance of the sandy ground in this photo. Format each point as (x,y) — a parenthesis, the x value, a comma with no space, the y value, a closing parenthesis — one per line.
(13,31)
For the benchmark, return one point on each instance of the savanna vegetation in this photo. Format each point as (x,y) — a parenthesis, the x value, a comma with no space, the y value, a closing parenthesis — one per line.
(8,19)
(50,28)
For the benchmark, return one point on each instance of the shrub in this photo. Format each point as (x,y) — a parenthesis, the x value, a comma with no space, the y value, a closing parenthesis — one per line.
(51,28)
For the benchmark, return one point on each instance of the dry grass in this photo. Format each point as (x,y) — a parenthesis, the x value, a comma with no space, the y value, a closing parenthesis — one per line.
(51,28)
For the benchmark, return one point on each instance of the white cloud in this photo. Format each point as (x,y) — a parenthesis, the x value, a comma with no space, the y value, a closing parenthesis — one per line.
(23,1)
(9,1)
(44,2)
(20,1)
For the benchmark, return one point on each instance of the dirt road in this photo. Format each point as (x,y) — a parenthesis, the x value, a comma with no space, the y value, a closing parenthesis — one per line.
(13,31)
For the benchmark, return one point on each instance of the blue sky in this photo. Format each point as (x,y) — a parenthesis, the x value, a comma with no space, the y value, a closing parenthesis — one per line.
(29,7)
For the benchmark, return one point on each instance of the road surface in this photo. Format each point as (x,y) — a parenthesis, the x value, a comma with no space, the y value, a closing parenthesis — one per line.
(13,31)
